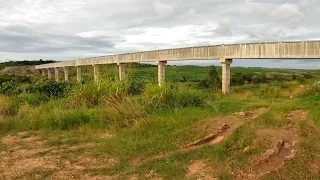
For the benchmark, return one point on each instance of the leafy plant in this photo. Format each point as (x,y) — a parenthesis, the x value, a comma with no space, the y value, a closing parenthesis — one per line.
(51,89)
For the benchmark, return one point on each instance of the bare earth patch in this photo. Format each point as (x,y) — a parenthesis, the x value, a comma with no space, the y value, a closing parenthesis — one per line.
(214,131)
(200,169)
(282,147)
(25,155)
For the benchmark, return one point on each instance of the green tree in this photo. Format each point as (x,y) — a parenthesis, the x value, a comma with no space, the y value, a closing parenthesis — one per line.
(212,80)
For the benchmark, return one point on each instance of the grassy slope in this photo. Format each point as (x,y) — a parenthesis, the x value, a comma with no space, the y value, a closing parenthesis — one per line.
(162,131)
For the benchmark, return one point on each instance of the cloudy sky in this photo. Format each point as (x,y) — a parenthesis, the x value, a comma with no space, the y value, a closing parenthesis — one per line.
(70,29)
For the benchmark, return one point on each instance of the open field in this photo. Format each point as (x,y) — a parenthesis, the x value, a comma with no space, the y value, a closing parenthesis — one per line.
(267,128)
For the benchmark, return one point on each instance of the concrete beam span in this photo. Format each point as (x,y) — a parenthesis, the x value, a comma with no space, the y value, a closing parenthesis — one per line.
(270,50)
(225,52)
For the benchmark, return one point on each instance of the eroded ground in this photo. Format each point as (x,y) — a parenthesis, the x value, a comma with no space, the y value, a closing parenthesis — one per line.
(26,155)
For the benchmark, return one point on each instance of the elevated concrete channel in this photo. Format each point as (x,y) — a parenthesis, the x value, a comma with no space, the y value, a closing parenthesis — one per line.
(226,53)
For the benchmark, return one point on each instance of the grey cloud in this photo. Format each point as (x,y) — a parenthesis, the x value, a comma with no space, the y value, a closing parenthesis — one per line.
(24,40)
(52,26)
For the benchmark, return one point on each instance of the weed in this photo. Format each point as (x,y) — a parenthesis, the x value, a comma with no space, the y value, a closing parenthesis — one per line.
(7,106)
(123,111)
(171,96)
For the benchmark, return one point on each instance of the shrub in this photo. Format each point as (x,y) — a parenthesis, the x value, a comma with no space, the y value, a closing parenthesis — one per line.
(34,99)
(14,78)
(135,86)
(7,106)
(237,79)
(172,96)
(258,78)
(212,80)
(9,88)
(51,89)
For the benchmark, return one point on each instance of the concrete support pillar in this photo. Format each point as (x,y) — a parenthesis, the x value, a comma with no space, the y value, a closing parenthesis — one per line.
(161,72)
(49,74)
(225,75)
(66,74)
(78,73)
(56,74)
(96,72)
(43,71)
(122,71)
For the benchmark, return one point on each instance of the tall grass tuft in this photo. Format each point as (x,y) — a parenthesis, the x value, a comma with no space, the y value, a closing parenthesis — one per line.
(123,110)
(268,91)
(91,94)
(171,96)
(7,106)
(313,90)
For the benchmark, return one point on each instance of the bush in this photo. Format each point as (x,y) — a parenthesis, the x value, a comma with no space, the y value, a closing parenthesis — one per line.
(135,87)
(237,79)
(14,78)
(212,80)
(9,88)
(51,89)
(172,96)
(34,99)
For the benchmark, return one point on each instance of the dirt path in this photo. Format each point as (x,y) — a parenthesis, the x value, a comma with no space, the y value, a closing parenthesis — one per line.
(27,157)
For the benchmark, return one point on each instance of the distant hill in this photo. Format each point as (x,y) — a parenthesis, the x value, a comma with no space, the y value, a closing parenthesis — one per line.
(24,63)
(19,70)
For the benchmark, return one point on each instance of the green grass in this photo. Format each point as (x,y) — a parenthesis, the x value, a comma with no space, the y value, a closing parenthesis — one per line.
(142,121)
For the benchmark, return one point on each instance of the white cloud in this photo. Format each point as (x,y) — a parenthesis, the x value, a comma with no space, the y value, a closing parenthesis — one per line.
(288,13)
(68,29)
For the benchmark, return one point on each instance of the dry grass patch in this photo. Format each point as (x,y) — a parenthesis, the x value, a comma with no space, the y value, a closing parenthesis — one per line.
(7,106)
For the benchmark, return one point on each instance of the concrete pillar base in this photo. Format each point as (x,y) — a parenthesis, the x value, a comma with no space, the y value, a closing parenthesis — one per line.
(225,75)
(43,71)
(49,74)
(96,73)
(161,72)
(56,74)
(66,74)
(78,73)
(122,71)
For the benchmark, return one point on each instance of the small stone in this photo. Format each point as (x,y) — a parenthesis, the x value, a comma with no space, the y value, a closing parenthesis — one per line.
(286,145)
(246,149)
(291,156)
(217,140)
(278,147)
(291,97)
(294,143)
(268,153)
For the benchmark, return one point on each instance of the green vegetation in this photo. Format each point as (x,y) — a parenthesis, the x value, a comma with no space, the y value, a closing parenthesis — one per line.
(24,63)
(136,129)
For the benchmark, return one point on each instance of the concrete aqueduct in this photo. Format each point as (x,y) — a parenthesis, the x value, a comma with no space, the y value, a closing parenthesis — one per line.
(226,53)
